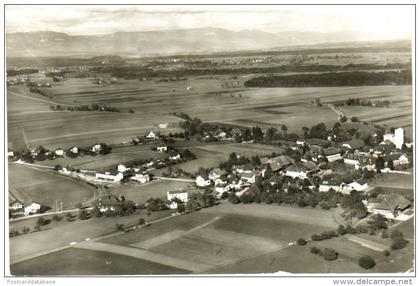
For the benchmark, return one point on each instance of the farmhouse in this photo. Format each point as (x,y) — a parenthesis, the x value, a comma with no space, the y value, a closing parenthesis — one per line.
(152,135)
(174,155)
(296,171)
(332,154)
(359,160)
(10,154)
(121,168)
(16,209)
(236,185)
(249,177)
(221,188)
(355,144)
(31,208)
(398,159)
(221,135)
(280,162)
(16,205)
(142,178)
(108,203)
(176,196)
(334,184)
(216,174)
(162,148)
(109,178)
(202,181)
(390,206)
(74,150)
(359,185)
(59,152)
(96,148)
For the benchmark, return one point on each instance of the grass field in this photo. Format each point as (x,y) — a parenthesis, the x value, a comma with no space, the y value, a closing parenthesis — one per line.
(228,239)
(118,155)
(46,188)
(140,193)
(211,156)
(100,263)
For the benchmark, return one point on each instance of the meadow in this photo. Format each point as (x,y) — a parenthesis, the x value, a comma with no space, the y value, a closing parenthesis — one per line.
(47,188)
(213,99)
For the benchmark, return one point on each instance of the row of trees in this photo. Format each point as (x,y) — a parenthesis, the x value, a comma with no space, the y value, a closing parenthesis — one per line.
(334,79)
(92,107)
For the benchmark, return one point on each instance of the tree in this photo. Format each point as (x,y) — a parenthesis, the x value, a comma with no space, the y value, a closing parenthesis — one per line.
(284,129)
(315,250)
(257,134)
(378,221)
(384,234)
(379,164)
(83,215)
(119,226)
(329,254)
(343,119)
(341,230)
(142,221)
(354,119)
(301,241)
(367,262)
(26,229)
(390,164)
(398,240)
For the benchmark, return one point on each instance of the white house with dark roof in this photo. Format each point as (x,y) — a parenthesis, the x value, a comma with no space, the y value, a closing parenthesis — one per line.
(202,181)
(176,196)
(332,154)
(249,177)
(162,148)
(109,177)
(216,174)
(152,135)
(296,171)
(74,150)
(221,188)
(141,178)
(31,208)
(390,206)
(279,162)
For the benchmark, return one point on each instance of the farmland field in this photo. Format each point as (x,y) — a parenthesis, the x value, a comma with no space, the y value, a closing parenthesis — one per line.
(210,156)
(225,239)
(201,240)
(140,193)
(217,99)
(58,264)
(46,188)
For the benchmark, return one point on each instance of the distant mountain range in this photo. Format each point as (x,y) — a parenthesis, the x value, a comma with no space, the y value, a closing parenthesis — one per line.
(161,43)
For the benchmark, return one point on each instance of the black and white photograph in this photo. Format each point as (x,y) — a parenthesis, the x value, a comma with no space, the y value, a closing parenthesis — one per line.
(209,140)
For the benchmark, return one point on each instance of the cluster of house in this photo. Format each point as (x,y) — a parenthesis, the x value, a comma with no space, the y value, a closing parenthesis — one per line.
(218,135)
(310,166)
(17,81)
(19,209)
(115,177)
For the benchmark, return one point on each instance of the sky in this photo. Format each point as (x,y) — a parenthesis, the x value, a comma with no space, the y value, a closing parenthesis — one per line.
(372,22)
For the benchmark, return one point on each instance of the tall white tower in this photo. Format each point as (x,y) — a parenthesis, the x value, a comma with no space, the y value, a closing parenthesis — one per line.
(399,137)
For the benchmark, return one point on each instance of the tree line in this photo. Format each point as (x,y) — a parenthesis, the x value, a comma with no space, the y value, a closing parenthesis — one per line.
(334,79)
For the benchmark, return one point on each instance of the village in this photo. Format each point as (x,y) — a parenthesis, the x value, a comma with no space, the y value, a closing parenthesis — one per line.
(320,162)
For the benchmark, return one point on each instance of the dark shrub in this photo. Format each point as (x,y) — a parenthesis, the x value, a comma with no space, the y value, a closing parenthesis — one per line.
(367,262)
